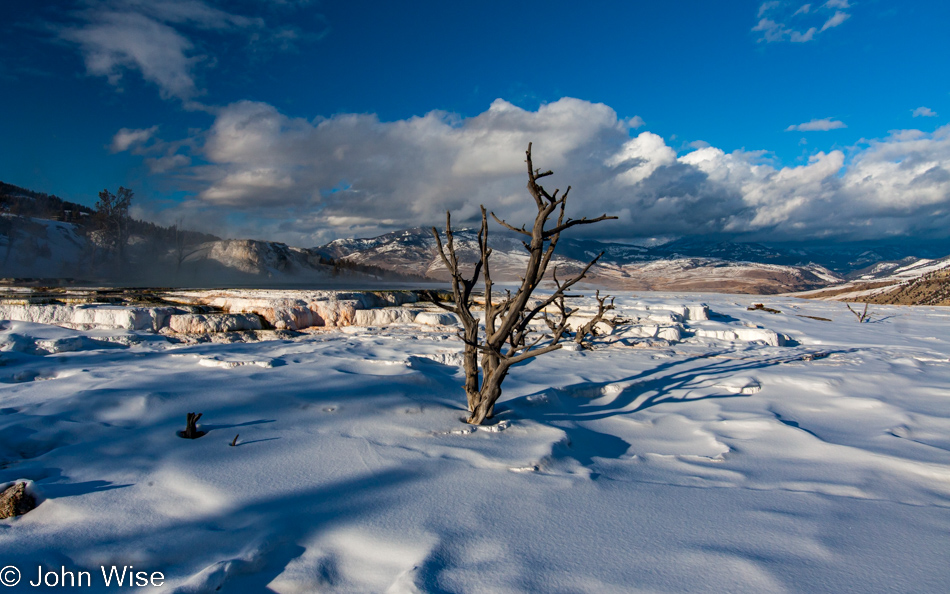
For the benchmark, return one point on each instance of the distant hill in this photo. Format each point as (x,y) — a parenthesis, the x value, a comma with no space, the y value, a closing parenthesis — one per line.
(47,240)
(931,289)
(20,201)
(911,281)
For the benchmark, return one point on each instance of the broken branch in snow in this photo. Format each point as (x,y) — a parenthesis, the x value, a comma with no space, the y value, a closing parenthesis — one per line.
(191,427)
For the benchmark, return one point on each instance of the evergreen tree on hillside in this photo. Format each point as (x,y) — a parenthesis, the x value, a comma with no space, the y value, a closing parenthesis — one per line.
(112,216)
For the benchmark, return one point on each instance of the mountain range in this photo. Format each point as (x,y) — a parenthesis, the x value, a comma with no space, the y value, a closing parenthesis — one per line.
(48,239)
(685,264)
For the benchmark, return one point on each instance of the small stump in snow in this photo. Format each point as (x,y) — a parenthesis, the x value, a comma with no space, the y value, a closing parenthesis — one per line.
(15,501)
(191,427)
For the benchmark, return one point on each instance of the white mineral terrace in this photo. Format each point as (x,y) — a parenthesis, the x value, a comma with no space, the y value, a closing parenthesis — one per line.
(237,311)
(638,324)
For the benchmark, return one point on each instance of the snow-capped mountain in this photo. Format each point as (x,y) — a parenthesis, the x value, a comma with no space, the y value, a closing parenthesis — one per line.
(679,265)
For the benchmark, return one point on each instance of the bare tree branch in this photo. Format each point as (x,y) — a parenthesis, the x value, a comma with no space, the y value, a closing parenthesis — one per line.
(570,223)
(506,225)
(591,326)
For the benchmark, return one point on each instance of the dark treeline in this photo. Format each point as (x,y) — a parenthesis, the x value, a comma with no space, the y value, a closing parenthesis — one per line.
(27,203)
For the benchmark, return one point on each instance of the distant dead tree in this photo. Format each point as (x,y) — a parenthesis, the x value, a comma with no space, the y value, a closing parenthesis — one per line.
(507,338)
(864,316)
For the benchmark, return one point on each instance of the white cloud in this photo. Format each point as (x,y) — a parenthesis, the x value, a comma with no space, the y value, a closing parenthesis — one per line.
(639,157)
(838,18)
(126,137)
(115,42)
(800,25)
(635,122)
(771,31)
(165,163)
(798,37)
(767,6)
(153,39)
(925,112)
(193,12)
(804,9)
(822,125)
(308,181)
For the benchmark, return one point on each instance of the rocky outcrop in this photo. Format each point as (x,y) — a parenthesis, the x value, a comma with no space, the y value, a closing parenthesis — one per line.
(262,258)
(16,501)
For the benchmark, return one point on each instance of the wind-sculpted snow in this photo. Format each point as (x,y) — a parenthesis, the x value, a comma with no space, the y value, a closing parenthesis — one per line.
(710,461)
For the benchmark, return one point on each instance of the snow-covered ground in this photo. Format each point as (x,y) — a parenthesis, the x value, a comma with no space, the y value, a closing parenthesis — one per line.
(708,459)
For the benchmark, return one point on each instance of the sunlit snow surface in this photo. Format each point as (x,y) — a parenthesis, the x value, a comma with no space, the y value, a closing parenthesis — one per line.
(701,465)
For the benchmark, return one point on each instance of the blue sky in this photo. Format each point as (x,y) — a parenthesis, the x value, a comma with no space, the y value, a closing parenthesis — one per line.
(304,121)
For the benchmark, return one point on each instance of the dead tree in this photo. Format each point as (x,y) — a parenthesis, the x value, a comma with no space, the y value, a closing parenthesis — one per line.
(591,326)
(864,316)
(508,338)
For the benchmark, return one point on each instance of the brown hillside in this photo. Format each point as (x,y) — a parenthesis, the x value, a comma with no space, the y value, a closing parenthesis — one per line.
(930,289)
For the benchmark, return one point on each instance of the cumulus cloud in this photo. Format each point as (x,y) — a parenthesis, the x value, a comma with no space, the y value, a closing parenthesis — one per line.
(822,125)
(924,112)
(782,21)
(306,182)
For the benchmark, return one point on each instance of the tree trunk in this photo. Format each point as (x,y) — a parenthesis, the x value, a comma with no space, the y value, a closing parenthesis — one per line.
(470,359)
(489,394)
(119,247)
